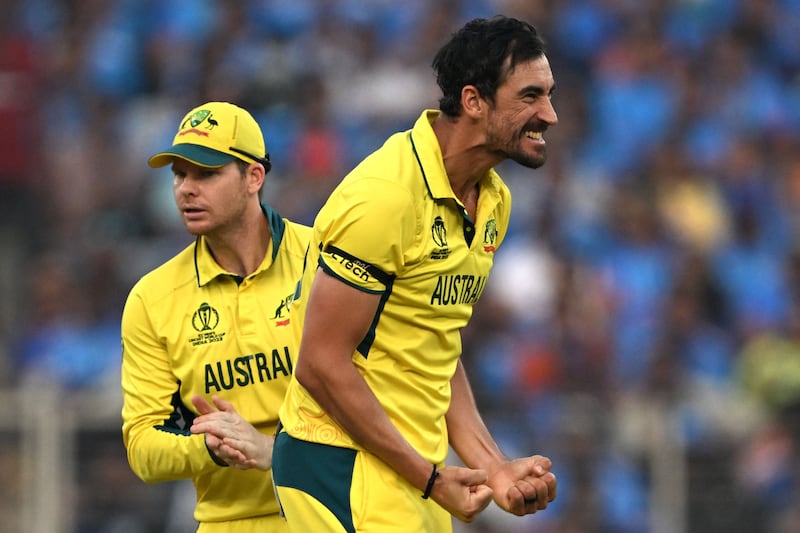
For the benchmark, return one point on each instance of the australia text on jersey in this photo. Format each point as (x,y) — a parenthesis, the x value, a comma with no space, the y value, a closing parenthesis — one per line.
(247,370)
(458,289)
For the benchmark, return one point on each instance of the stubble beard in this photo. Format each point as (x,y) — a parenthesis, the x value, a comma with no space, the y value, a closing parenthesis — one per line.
(528,160)
(513,150)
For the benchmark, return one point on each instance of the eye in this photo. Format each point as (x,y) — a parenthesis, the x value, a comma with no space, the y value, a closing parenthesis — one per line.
(532,94)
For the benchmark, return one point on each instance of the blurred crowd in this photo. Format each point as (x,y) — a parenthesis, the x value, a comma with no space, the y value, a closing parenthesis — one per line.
(646,301)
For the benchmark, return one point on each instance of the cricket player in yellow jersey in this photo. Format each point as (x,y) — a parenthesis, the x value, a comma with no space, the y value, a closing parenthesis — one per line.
(211,328)
(400,254)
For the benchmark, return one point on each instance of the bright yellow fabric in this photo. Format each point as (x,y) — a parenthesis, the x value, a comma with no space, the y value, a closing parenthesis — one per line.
(381,502)
(187,328)
(273,523)
(394,227)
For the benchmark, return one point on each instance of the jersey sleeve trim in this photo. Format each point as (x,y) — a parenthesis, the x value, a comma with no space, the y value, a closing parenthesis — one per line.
(372,270)
(353,271)
(328,270)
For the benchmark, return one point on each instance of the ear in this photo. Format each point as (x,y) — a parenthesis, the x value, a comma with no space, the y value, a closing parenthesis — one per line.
(255,176)
(471,101)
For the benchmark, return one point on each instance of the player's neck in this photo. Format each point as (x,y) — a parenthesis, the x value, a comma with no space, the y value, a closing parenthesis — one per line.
(241,249)
(464,155)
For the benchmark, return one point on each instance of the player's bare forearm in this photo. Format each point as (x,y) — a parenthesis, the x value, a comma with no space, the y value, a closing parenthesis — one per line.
(346,397)
(520,486)
(461,491)
(468,434)
(326,370)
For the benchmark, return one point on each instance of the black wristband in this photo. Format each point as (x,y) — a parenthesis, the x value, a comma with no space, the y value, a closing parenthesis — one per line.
(429,486)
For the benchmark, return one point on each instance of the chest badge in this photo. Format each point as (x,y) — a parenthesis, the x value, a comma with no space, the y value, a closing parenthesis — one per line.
(439,235)
(281,316)
(204,321)
(489,236)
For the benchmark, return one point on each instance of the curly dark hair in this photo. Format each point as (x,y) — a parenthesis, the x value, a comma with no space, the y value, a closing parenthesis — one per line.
(482,53)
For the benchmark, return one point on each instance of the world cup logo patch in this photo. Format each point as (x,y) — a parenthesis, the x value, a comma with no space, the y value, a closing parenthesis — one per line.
(439,232)
(205,318)
(439,236)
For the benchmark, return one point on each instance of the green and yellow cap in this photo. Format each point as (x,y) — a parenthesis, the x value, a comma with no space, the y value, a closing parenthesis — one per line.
(213,135)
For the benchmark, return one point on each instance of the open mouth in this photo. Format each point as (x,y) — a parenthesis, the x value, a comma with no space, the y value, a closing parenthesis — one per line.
(192,212)
(535,135)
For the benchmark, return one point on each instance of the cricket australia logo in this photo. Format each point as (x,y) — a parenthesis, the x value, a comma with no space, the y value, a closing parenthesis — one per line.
(439,235)
(281,317)
(205,320)
(195,119)
(489,236)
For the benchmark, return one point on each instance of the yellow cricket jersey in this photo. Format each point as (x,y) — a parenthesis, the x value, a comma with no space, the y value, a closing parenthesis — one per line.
(190,327)
(394,227)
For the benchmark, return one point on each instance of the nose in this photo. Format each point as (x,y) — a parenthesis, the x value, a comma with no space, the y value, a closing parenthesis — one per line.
(185,186)
(547,113)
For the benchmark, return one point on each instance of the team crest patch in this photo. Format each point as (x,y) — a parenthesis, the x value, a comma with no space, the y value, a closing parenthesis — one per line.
(205,321)
(281,316)
(197,118)
(489,235)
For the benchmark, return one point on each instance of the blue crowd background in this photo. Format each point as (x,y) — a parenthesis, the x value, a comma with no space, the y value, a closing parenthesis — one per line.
(647,298)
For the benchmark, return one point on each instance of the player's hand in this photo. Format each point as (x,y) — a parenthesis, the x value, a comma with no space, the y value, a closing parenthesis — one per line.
(229,436)
(524,486)
(462,491)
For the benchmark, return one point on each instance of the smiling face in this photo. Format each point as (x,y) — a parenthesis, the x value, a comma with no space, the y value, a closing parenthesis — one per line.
(521,113)
(209,200)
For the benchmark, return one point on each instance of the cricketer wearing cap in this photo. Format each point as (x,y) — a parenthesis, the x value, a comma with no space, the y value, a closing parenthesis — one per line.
(214,321)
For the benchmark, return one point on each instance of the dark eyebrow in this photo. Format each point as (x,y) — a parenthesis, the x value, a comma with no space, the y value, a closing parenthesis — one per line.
(536,89)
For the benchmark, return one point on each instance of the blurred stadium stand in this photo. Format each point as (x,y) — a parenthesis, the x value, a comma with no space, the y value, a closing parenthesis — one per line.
(642,325)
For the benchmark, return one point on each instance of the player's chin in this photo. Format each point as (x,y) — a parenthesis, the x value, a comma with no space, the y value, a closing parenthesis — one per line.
(196,227)
(531,159)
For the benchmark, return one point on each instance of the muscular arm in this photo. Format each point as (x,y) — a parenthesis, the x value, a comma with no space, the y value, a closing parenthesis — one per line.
(520,486)
(468,435)
(337,319)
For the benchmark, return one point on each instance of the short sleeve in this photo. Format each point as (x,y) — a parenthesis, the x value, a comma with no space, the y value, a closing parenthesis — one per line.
(368,233)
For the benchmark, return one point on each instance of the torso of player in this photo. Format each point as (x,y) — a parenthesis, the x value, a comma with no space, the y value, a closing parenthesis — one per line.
(437,259)
(228,337)
(235,340)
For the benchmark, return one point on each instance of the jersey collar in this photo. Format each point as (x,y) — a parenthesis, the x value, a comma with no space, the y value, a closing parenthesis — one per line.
(429,156)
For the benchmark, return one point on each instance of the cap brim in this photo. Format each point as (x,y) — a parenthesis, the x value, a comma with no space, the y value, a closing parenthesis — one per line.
(199,155)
